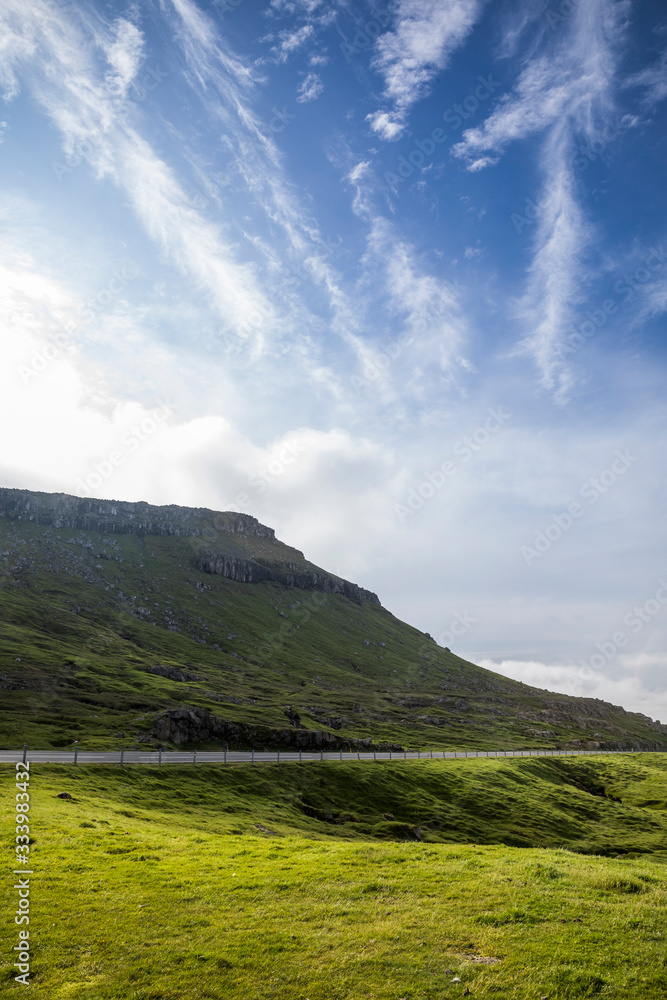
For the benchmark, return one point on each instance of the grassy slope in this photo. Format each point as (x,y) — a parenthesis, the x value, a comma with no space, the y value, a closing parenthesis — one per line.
(158,884)
(83,617)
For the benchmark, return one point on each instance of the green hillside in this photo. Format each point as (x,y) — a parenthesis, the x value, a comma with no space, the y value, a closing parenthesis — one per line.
(115,615)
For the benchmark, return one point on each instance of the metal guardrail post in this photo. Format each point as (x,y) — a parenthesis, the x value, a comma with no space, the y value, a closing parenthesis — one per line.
(76,754)
(194,757)
(252,759)
(159,755)
(389,753)
(278,757)
(419,756)
(321,754)
(122,755)
(225,757)
(299,756)
(340,754)
(405,755)
(25,750)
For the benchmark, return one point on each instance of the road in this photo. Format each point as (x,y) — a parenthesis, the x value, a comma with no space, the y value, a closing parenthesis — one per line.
(156,757)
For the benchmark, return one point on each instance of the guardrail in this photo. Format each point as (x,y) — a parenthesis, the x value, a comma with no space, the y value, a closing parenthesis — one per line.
(193,757)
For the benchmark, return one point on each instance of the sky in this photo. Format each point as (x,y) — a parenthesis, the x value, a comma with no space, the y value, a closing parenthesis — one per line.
(390,277)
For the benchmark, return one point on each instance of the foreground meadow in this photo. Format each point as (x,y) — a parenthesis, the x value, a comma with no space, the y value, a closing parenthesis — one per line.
(182,884)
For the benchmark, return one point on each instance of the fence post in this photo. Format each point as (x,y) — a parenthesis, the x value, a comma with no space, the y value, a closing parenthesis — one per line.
(76,753)
(340,754)
(419,756)
(358,757)
(25,749)
(389,753)
(405,755)
(225,760)
(375,756)
(252,758)
(159,755)
(278,757)
(194,757)
(431,753)
(299,756)
(122,755)
(321,754)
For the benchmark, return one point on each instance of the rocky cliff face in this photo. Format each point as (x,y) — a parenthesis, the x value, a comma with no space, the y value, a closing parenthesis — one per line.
(247,571)
(109,517)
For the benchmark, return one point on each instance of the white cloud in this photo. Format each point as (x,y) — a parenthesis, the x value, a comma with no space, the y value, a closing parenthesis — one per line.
(567,93)
(653,79)
(631,691)
(291,41)
(310,88)
(125,55)
(384,125)
(426,33)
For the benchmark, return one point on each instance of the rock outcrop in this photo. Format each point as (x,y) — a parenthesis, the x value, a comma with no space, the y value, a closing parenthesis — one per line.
(256,571)
(196,725)
(120,517)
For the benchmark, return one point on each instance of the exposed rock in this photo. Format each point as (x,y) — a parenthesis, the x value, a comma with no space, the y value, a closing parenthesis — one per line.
(257,571)
(293,716)
(119,517)
(172,673)
(197,725)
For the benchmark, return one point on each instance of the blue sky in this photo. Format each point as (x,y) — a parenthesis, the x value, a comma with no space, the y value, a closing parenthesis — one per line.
(390,277)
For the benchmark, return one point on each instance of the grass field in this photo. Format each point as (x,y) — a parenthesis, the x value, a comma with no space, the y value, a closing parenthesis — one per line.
(309,883)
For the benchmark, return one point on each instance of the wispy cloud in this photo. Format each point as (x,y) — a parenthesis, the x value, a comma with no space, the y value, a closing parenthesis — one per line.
(125,55)
(566,93)
(423,310)
(426,33)
(310,88)
(653,79)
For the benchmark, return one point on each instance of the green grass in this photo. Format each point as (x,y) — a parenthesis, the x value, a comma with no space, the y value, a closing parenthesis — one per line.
(291,883)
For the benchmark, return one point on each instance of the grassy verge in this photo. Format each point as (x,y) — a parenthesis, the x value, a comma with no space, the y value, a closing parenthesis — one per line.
(266,882)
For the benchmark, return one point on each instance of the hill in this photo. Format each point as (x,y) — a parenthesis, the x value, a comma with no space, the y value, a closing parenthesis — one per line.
(130,623)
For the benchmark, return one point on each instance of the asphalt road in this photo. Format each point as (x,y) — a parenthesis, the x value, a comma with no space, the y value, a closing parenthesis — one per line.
(155,757)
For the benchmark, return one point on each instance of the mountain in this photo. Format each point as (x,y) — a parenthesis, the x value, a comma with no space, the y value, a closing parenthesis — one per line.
(126,623)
